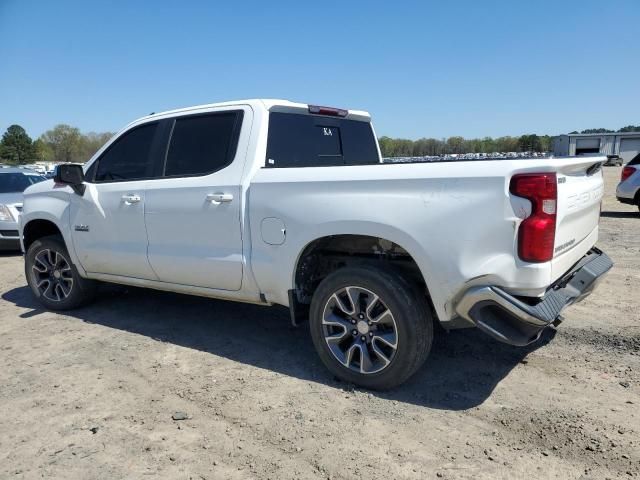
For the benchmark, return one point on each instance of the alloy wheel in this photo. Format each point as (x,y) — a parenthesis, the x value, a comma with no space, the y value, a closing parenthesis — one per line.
(52,275)
(360,330)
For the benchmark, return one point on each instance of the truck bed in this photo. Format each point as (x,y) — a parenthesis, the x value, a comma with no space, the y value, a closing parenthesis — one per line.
(457,219)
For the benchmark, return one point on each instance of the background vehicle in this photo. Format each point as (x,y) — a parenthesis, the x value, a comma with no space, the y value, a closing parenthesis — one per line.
(613,160)
(274,202)
(628,190)
(13,181)
(33,167)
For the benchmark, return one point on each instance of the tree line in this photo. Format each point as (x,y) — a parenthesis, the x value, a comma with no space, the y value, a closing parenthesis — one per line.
(400,147)
(628,128)
(62,144)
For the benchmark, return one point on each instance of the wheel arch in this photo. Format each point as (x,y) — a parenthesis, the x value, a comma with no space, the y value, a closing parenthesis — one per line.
(40,225)
(38,228)
(325,254)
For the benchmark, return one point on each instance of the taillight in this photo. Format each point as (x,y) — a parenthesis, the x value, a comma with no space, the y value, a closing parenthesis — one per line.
(537,233)
(333,112)
(626,173)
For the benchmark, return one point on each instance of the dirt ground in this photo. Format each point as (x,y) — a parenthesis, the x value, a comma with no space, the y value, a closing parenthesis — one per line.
(91,394)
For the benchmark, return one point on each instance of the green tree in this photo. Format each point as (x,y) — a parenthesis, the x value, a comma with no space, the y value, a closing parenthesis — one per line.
(386,145)
(455,145)
(419,148)
(487,145)
(16,147)
(630,128)
(43,151)
(64,142)
(546,143)
(91,142)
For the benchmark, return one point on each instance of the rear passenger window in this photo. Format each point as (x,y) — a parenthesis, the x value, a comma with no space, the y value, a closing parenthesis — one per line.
(298,140)
(203,144)
(129,158)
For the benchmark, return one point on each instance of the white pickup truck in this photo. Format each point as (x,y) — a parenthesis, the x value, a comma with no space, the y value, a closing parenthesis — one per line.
(273,202)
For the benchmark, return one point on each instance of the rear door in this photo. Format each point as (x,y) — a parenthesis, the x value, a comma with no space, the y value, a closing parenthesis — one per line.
(192,214)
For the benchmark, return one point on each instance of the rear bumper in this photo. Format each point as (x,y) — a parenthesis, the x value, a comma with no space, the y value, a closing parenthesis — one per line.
(627,201)
(514,321)
(626,191)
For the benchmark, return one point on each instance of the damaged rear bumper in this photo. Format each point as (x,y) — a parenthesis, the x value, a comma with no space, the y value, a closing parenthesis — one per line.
(519,321)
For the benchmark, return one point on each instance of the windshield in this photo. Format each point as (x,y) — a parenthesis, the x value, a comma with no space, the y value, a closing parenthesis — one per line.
(17,182)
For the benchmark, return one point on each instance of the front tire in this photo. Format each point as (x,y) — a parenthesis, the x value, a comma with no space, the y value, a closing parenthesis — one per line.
(370,327)
(53,278)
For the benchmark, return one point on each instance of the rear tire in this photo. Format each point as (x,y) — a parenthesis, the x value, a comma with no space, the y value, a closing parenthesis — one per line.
(53,278)
(370,327)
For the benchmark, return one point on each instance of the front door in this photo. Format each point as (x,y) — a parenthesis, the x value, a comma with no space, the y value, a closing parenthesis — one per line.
(107,222)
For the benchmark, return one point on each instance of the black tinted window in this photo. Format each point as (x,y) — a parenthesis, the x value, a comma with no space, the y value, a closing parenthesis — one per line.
(203,144)
(129,158)
(635,160)
(89,175)
(297,140)
(17,182)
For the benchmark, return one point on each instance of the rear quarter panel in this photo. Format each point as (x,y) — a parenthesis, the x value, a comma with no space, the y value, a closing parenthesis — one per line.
(457,220)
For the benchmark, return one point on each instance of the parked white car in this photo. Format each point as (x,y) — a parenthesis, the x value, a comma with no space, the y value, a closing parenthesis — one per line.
(628,190)
(273,202)
(13,181)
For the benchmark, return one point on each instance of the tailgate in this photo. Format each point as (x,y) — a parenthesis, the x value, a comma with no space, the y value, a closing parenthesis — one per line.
(580,191)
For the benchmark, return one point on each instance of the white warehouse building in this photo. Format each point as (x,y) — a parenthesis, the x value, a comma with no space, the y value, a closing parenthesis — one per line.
(626,144)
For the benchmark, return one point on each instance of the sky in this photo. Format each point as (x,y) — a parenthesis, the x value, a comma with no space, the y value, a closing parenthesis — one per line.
(422,69)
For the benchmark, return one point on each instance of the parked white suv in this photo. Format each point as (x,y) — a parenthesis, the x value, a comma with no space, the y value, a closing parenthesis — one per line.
(628,190)
(273,202)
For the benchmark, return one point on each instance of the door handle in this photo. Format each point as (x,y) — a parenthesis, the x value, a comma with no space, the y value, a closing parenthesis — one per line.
(130,199)
(219,197)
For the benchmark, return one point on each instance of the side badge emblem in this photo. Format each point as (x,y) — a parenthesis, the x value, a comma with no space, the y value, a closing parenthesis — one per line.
(82,228)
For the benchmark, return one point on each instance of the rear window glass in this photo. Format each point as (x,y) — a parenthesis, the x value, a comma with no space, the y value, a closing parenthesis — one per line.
(298,140)
(635,160)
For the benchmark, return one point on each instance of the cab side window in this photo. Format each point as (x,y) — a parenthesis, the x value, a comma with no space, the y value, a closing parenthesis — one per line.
(129,158)
(203,144)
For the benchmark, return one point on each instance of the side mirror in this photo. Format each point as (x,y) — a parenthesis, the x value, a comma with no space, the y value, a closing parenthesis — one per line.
(72,175)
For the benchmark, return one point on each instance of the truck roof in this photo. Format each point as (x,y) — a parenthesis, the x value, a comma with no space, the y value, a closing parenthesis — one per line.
(255,103)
